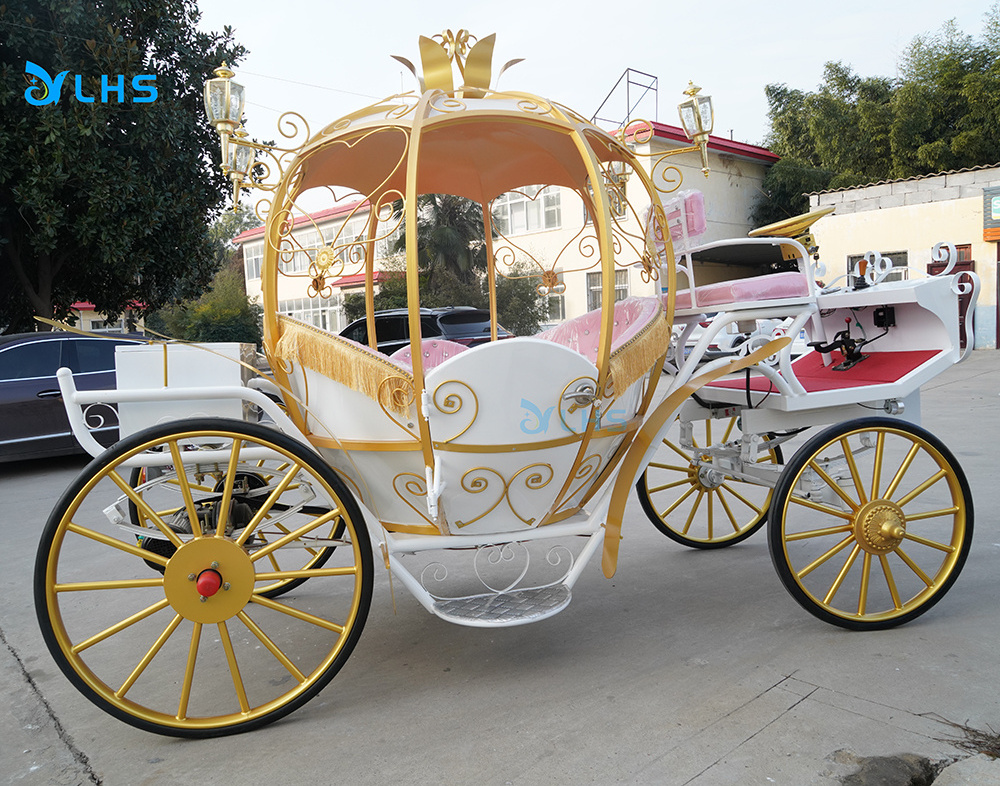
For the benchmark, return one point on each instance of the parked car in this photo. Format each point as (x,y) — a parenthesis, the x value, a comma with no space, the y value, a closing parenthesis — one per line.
(33,421)
(462,324)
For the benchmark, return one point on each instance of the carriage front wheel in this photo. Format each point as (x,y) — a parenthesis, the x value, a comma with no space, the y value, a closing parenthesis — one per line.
(163,613)
(870,523)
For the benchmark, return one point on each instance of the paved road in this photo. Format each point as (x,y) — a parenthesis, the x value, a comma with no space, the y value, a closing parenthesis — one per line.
(687,668)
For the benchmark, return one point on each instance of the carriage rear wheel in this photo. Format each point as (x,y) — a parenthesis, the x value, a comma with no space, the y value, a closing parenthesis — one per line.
(871,523)
(186,638)
(694,502)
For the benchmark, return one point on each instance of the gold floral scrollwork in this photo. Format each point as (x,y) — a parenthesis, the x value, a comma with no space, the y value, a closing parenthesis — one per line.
(410,486)
(448,400)
(477,481)
(532,478)
(585,472)
(395,397)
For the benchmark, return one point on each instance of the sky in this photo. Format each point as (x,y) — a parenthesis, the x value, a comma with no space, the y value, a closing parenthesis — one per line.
(326,59)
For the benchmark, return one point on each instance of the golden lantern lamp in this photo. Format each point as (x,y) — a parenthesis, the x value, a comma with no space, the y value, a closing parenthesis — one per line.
(224,101)
(697,118)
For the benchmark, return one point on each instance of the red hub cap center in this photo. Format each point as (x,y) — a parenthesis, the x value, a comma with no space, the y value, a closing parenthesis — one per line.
(208,583)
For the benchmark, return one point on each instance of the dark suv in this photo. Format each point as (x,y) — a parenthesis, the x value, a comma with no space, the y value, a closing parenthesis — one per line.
(462,324)
(33,421)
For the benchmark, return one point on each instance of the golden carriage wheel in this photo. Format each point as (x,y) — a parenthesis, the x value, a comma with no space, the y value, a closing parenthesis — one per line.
(871,523)
(695,503)
(194,647)
(161,489)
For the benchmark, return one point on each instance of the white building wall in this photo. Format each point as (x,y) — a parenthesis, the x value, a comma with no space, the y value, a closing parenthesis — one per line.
(912,216)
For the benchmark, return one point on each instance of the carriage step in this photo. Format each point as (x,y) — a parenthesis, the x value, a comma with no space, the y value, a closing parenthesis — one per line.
(505,609)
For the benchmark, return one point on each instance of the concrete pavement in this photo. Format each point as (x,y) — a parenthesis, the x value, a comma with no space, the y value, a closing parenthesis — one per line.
(687,668)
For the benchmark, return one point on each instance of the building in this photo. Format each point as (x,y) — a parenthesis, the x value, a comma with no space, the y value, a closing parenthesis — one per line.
(904,219)
(537,222)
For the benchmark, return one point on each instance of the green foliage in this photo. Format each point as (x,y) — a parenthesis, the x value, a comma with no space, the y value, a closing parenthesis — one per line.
(941,113)
(106,202)
(223,313)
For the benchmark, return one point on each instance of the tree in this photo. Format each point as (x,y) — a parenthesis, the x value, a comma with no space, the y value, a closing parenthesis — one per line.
(941,113)
(106,200)
(223,312)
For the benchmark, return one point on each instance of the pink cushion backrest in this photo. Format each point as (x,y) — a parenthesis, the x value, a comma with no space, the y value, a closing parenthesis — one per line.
(435,352)
(689,206)
(583,333)
(774,286)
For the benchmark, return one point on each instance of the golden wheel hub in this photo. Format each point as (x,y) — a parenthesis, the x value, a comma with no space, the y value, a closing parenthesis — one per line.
(880,526)
(192,562)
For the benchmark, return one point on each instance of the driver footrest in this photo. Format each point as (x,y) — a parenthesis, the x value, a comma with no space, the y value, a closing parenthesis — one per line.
(505,609)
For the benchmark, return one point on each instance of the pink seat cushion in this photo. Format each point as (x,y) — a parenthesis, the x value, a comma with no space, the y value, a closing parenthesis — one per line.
(583,333)
(774,286)
(435,351)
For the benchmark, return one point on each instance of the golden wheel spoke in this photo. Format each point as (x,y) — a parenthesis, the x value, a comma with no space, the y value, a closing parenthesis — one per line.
(914,567)
(666,486)
(677,450)
(694,510)
(835,587)
(729,430)
(182,705)
(145,510)
(890,582)
(272,647)
(295,534)
(118,627)
(305,573)
(182,481)
(729,513)
(234,669)
(674,467)
(866,568)
(148,657)
(877,468)
(272,498)
(826,556)
(678,501)
(86,586)
(832,484)
(740,497)
(277,525)
(822,507)
(818,533)
(227,488)
(114,543)
(941,473)
(711,514)
(853,467)
(945,547)
(931,514)
(298,614)
(898,477)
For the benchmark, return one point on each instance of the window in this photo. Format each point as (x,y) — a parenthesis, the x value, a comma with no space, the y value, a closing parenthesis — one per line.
(30,361)
(92,355)
(354,229)
(529,209)
(897,258)
(324,313)
(594,288)
(555,308)
(253,256)
(103,326)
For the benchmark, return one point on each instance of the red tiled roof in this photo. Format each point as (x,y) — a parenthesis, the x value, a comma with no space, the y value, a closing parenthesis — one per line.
(717,143)
(358,278)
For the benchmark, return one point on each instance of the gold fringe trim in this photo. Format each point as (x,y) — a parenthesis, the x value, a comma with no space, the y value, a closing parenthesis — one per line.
(345,362)
(633,360)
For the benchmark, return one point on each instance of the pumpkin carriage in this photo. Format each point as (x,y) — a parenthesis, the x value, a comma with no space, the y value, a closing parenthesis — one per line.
(212,571)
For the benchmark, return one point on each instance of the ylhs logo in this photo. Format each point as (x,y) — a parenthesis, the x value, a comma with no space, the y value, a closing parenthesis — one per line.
(46,90)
